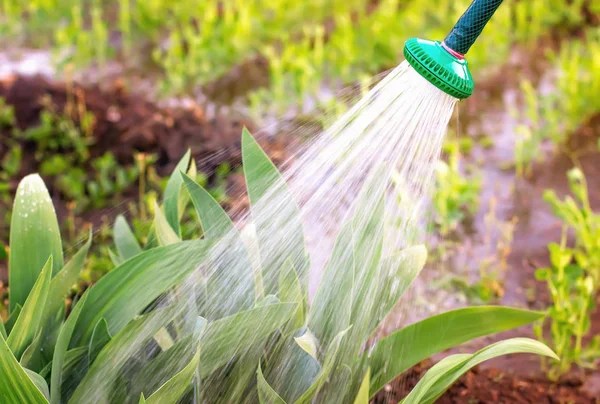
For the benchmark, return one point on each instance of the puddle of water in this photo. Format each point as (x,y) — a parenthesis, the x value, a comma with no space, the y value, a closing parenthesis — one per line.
(28,62)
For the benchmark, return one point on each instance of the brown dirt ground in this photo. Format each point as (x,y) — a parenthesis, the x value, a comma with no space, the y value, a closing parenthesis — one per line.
(126,123)
(491,386)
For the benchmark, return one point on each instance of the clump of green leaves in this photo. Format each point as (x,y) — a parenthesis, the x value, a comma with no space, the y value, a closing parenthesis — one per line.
(553,117)
(261,341)
(573,278)
(58,132)
(455,195)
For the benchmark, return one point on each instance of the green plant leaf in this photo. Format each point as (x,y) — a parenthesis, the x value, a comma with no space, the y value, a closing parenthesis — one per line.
(406,347)
(172,191)
(439,378)
(100,337)
(60,287)
(363,392)
(164,233)
(3,330)
(102,374)
(308,343)
(290,290)
(268,192)
(16,387)
(72,358)
(34,236)
(331,308)
(125,241)
(126,290)
(214,220)
(115,258)
(367,247)
(330,359)
(12,318)
(401,270)
(230,336)
(266,394)
(60,350)
(39,382)
(231,257)
(184,197)
(28,323)
(438,370)
(160,369)
(173,389)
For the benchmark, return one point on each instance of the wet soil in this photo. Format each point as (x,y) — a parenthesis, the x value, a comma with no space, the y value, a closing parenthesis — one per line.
(491,386)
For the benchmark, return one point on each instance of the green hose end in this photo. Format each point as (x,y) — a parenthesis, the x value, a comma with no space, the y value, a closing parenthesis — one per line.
(448,72)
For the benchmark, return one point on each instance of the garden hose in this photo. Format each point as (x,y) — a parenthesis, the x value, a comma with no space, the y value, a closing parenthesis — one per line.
(443,63)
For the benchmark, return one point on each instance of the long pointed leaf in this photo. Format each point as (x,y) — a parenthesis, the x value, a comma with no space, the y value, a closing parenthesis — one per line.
(406,347)
(266,394)
(100,337)
(164,233)
(51,319)
(230,261)
(441,376)
(125,241)
(100,378)
(214,220)
(363,392)
(12,318)
(275,214)
(126,290)
(16,386)
(330,360)
(332,306)
(173,389)
(401,270)
(172,191)
(28,323)
(34,236)
(3,330)
(63,281)
(39,382)
(290,290)
(160,369)
(64,337)
(231,336)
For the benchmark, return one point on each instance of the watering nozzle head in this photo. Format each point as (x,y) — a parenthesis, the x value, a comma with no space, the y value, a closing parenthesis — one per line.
(441,66)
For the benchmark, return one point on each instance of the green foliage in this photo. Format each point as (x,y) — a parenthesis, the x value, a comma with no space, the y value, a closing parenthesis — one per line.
(198,335)
(573,280)
(455,195)
(34,236)
(571,101)
(305,44)
(447,371)
(7,115)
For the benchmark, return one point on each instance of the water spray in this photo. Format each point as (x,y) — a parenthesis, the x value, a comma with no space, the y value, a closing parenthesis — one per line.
(443,64)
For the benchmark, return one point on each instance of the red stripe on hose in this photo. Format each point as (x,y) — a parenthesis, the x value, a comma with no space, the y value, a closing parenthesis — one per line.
(453,52)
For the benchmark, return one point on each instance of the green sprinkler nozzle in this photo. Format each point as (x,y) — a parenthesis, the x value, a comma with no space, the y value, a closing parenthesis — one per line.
(443,64)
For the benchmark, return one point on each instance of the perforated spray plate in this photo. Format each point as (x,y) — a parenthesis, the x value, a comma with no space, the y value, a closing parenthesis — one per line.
(442,69)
